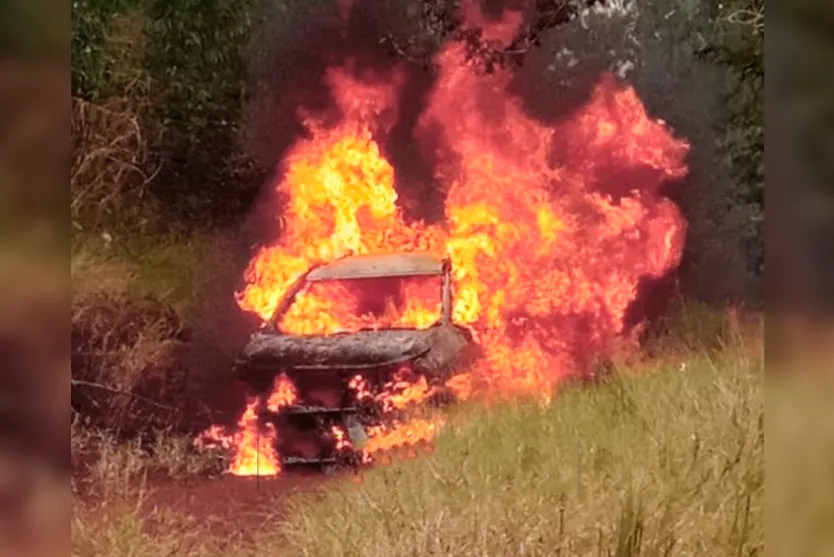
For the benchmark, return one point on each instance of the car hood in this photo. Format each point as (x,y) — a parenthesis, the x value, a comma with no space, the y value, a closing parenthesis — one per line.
(345,350)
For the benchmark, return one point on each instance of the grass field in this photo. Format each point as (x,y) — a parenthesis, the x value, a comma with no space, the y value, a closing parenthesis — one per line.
(667,461)
(667,458)
(160,267)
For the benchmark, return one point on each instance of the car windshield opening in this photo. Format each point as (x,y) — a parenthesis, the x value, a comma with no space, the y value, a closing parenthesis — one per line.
(351,305)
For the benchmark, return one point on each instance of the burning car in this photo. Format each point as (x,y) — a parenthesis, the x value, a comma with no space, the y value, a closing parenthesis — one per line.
(335,378)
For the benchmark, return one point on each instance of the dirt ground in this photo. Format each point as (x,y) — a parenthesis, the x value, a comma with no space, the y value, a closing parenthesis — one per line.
(230,506)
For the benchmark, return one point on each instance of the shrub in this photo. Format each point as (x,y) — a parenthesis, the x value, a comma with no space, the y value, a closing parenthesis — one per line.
(108,172)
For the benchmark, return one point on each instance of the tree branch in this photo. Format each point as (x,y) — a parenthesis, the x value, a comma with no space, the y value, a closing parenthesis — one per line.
(76,382)
(443,21)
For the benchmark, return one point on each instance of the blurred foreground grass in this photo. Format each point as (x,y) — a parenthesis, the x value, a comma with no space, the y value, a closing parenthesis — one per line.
(35,502)
(800,464)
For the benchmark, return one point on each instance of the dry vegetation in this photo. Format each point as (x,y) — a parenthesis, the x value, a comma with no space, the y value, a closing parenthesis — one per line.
(667,460)
(107,171)
(125,333)
(123,346)
(667,464)
(132,284)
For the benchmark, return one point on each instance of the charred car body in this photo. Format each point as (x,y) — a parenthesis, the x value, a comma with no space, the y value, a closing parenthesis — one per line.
(322,367)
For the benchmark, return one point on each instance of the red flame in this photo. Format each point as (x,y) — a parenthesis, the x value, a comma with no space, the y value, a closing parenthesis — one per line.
(252,443)
(550,228)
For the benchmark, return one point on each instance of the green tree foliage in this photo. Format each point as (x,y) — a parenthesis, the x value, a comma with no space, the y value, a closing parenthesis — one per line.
(92,61)
(736,43)
(196,59)
(179,67)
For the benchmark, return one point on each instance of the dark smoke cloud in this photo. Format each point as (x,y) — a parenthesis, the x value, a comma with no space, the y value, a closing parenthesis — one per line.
(287,67)
(639,42)
(302,39)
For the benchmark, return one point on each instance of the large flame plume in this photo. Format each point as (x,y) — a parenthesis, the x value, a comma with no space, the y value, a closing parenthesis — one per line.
(550,229)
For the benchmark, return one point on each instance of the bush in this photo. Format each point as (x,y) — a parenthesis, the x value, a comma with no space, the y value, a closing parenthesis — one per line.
(176,70)
(124,355)
(108,172)
(148,342)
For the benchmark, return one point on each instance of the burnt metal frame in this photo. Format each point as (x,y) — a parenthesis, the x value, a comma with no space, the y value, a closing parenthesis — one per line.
(271,325)
(347,407)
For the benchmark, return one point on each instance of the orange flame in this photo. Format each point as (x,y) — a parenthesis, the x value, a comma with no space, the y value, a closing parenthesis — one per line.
(360,388)
(398,394)
(411,434)
(283,393)
(253,443)
(255,446)
(550,228)
(340,437)
(401,392)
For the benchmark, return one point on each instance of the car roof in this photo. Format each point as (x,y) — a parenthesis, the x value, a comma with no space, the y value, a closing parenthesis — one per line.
(377,266)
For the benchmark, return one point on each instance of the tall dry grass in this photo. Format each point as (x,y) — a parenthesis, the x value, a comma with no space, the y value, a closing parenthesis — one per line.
(135,398)
(666,463)
(125,362)
(109,167)
(664,459)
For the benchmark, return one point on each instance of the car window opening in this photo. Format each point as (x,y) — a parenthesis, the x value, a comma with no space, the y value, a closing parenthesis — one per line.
(351,305)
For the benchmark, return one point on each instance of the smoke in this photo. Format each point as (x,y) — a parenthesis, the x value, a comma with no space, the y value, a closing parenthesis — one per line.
(287,66)
(649,47)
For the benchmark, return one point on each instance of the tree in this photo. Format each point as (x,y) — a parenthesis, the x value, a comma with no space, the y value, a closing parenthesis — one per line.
(441,22)
(737,44)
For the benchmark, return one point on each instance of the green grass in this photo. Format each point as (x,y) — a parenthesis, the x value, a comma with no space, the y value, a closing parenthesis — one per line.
(661,463)
(665,459)
(667,463)
(165,267)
